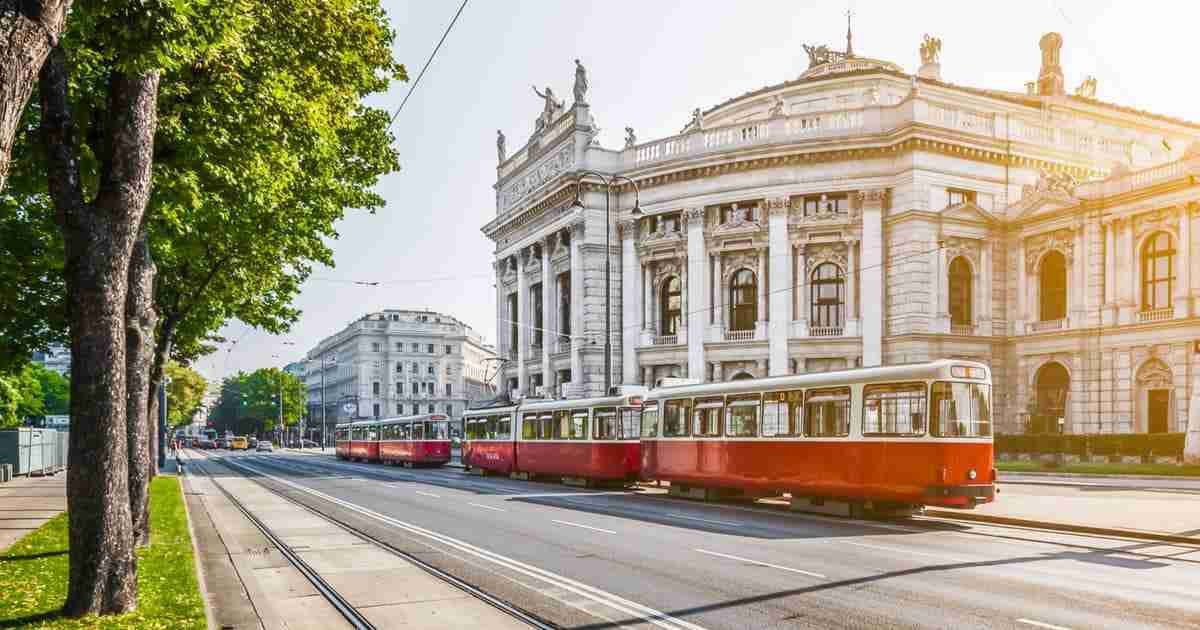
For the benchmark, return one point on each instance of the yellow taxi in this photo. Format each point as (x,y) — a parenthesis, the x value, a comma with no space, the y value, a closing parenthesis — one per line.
(239,443)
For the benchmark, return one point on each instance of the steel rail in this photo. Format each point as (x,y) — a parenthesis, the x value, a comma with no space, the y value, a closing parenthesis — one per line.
(513,611)
(343,606)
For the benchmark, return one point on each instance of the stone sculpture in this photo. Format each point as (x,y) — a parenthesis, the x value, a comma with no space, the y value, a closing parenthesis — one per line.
(500,153)
(931,49)
(581,83)
(630,137)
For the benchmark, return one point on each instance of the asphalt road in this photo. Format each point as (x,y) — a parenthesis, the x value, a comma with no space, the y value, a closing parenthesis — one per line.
(597,559)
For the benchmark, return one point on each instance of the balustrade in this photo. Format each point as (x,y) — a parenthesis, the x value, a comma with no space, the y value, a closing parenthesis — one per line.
(666,340)
(962,329)
(1156,315)
(1049,324)
(739,335)
(825,331)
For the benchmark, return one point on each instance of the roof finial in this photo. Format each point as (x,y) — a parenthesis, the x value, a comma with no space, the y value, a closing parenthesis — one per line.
(849,37)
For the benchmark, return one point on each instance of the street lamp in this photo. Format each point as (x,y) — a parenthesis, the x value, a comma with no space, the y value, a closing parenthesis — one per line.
(608,181)
(324,425)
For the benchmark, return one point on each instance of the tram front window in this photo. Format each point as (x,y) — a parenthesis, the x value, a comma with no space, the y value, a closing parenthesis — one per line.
(961,410)
(437,430)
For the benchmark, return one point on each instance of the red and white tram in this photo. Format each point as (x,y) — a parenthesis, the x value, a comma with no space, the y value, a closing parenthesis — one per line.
(592,439)
(408,440)
(415,440)
(901,435)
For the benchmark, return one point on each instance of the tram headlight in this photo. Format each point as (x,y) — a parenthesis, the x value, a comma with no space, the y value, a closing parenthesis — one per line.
(971,474)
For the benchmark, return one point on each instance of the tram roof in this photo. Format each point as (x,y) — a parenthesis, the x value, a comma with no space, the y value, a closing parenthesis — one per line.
(536,404)
(394,420)
(904,371)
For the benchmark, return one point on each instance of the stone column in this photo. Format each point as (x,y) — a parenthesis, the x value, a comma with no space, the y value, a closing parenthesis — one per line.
(697,299)
(647,305)
(984,316)
(872,202)
(1183,283)
(1022,314)
(1191,445)
(1109,314)
(549,332)
(1129,300)
(802,309)
(852,280)
(1077,282)
(578,338)
(630,300)
(717,376)
(942,299)
(681,331)
(760,325)
(501,325)
(1193,211)
(522,325)
(719,292)
(781,282)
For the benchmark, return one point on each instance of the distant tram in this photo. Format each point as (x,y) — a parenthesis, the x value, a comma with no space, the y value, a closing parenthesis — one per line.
(891,436)
(585,440)
(411,440)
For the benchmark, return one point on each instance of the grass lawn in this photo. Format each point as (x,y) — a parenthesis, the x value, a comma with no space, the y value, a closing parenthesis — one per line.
(33,574)
(1165,470)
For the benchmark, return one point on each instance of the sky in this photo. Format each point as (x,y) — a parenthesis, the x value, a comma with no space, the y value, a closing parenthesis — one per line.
(650,63)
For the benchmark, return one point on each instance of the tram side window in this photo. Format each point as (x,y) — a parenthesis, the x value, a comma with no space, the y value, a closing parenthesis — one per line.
(404,431)
(418,431)
(742,416)
(827,412)
(437,430)
(675,418)
(529,426)
(894,409)
(579,425)
(960,410)
(503,428)
(607,427)
(562,424)
(650,420)
(629,423)
(781,414)
(545,427)
(373,434)
(708,417)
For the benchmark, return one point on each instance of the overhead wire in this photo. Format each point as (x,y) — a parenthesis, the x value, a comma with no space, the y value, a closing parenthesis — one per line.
(427,62)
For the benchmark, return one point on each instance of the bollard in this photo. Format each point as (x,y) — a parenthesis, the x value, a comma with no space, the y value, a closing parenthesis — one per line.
(5,473)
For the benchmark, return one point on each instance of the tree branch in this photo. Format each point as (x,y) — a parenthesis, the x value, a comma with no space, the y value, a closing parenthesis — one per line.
(58,133)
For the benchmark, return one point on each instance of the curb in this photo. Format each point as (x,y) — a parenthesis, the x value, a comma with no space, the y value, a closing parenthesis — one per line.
(1065,527)
(1000,474)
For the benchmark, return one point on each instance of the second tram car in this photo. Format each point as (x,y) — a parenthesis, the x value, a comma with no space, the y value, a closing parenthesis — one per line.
(408,440)
(591,439)
(904,435)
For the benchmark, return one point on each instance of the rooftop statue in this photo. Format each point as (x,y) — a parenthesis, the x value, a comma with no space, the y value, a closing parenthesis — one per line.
(1087,89)
(776,110)
(1062,183)
(931,49)
(581,83)
(818,55)
(696,123)
(630,138)
(500,145)
(550,107)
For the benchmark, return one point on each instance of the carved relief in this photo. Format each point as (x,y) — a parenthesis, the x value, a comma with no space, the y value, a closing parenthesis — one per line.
(730,263)
(872,197)
(537,176)
(966,247)
(1155,374)
(627,228)
(693,215)
(820,254)
(1160,219)
(1038,246)
(777,206)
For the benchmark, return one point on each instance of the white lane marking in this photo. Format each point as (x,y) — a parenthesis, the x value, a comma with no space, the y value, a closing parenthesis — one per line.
(553,580)
(1042,624)
(904,551)
(487,507)
(761,564)
(429,494)
(703,520)
(596,529)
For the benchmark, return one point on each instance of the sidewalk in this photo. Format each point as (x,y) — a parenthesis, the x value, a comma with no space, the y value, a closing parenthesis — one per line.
(252,585)
(1168,516)
(26,503)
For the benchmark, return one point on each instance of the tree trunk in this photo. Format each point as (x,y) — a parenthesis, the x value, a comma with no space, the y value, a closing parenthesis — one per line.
(28,30)
(162,354)
(139,343)
(99,237)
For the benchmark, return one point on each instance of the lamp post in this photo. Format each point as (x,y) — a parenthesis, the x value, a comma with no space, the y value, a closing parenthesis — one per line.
(608,181)
(324,425)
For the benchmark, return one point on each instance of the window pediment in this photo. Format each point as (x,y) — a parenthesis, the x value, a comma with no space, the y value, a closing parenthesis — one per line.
(969,212)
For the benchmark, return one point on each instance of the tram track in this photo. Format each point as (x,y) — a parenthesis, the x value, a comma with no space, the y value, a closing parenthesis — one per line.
(344,607)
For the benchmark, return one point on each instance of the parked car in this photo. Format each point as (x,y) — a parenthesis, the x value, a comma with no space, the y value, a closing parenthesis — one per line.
(264,446)
(253,441)
(239,443)
(221,443)
(195,442)
(205,443)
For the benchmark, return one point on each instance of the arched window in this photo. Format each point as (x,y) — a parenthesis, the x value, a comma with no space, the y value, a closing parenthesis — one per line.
(743,300)
(742,376)
(1053,284)
(1051,384)
(827,296)
(1158,272)
(669,306)
(960,292)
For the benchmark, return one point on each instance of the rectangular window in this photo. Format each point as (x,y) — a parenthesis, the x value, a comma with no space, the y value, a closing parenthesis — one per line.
(399,409)
(562,425)
(430,408)
(827,412)
(429,348)
(375,408)
(529,426)
(375,388)
(447,390)
(607,427)
(535,299)
(430,369)
(781,413)
(399,346)
(404,431)
(449,350)
(960,410)
(956,196)
(449,410)
(399,367)
(503,427)
(675,418)
(414,388)
(708,417)
(399,390)
(416,408)
(579,421)
(630,417)
(375,346)
(650,420)
(416,347)
(894,409)
(742,416)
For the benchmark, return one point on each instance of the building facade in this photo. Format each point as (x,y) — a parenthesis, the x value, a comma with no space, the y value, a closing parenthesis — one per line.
(860,215)
(399,362)
(56,358)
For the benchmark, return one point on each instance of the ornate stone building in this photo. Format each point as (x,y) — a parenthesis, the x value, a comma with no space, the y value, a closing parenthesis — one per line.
(859,215)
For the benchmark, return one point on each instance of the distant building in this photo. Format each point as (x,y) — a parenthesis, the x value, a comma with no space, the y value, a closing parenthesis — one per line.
(399,362)
(296,368)
(57,358)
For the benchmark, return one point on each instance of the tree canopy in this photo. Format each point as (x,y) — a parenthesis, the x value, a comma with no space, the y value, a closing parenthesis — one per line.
(249,402)
(185,392)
